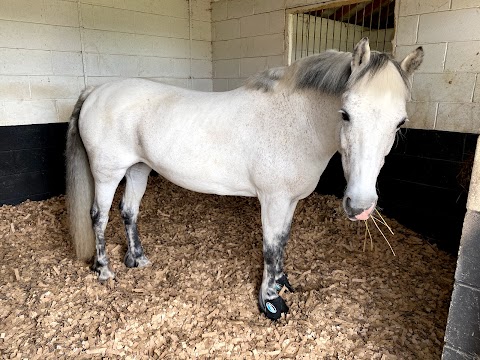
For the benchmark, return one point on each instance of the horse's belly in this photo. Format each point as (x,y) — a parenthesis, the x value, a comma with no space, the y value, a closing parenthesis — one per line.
(208,186)
(204,174)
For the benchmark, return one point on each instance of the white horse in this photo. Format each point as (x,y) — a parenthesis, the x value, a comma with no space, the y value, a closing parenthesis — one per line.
(271,138)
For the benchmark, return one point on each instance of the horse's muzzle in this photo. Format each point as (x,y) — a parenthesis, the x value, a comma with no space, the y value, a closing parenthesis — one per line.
(355,214)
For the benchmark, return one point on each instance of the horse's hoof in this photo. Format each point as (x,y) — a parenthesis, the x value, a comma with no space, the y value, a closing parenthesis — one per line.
(104,273)
(273,309)
(143,262)
(132,262)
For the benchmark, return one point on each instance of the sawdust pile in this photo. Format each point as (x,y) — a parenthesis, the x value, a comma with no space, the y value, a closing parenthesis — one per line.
(199,298)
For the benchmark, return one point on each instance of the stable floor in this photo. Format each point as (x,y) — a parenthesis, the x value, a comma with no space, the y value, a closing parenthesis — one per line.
(199,297)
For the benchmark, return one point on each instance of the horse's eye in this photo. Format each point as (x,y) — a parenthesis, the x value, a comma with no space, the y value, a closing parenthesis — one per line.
(345,115)
(401,123)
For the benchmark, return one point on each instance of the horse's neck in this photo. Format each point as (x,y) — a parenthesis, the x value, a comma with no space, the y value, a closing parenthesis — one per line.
(321,111)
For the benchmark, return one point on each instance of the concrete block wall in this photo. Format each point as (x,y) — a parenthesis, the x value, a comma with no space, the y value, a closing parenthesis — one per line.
(446,90)
(41,68)
(51,49)
(248,36)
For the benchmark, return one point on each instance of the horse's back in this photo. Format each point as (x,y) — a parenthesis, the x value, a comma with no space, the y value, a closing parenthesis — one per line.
(192,138)
(239,142)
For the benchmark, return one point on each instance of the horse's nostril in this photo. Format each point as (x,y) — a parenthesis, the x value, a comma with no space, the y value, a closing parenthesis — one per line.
(348,202)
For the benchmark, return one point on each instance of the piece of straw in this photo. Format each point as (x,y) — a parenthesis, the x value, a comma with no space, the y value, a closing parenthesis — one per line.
(381,232)
(369,234)
(384,222)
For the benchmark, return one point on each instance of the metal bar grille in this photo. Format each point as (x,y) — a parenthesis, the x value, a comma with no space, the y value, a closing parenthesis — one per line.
(341,26)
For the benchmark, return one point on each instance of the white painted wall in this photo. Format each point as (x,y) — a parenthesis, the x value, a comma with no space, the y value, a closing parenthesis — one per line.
(248,36)
(51,49)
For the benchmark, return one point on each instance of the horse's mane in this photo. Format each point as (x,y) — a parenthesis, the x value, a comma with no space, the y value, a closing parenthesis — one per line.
(329,72)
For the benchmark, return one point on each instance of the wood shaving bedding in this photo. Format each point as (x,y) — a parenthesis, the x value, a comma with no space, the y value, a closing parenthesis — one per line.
(199,297)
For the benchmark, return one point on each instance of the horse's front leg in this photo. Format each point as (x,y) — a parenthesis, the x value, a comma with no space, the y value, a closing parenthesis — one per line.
(277,213)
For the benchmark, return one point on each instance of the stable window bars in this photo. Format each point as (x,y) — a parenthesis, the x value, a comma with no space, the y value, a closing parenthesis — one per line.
(340,26)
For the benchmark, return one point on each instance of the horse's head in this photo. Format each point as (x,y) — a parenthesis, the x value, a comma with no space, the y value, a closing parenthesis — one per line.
(373,109)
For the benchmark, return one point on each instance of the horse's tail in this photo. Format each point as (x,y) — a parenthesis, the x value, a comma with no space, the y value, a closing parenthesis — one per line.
(80,188)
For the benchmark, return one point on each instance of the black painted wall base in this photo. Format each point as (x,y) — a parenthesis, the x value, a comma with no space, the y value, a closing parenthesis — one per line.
(32,162)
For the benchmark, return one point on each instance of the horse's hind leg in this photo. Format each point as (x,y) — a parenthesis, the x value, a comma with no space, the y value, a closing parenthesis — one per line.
(137,176)
(277,213)
(104,192)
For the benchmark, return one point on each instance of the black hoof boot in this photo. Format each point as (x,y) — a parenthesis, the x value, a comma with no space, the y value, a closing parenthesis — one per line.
(283,281)
(273,309)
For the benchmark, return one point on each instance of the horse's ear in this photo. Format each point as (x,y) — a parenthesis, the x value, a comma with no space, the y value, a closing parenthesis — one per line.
(412,61)
(361,54)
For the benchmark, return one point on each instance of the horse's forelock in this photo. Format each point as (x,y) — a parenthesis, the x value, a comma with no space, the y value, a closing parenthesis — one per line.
(383,74)
(378,61)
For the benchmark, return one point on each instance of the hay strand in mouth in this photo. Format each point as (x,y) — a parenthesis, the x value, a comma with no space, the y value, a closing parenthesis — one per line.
(377,220)
(384,222)
(381,232)
(367,230)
